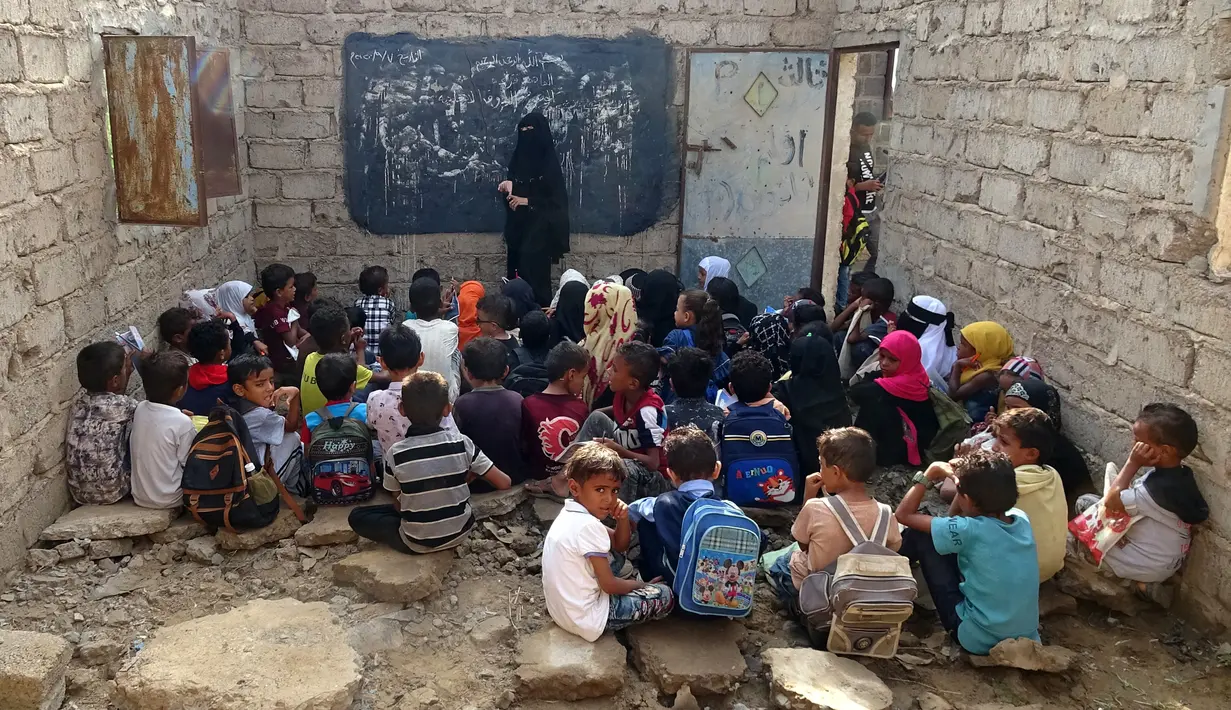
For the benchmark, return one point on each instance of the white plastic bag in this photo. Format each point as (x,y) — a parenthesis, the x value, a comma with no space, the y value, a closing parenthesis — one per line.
(1098,529)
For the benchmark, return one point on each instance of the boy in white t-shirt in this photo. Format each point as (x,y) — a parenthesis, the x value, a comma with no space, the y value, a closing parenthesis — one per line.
(161,434)
(583,595)
(437,337)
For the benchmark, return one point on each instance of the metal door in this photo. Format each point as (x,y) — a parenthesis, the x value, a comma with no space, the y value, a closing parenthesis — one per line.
(753,175)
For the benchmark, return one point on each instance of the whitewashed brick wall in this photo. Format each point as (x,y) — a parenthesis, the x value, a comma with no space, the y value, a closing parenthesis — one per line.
(1056,167)
(69,275)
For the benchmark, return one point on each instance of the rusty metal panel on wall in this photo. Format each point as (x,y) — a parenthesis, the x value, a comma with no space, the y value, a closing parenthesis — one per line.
(219,145)
(150,95)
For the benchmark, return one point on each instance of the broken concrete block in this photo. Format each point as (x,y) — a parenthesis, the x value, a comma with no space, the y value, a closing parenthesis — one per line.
(181,529)
(1028,655)
(281,528)
(391,576)
(375,636)
(807,679)
(1053,601)
(492,630)
(201,550)
(557,665)
(32,669)
(261,656)
(108,522)
(546,509)
(328,527)
(38,559)
(703,655)
(100,652)
(1083,581)
(70,550)
(102,549)
(490,505)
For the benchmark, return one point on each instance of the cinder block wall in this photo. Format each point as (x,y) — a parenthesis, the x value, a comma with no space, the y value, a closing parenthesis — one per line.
(293,79)
(1057,167)
(69,274)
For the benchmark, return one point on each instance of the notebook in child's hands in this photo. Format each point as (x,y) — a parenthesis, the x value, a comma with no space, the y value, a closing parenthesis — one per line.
(130,339)
(1098,529)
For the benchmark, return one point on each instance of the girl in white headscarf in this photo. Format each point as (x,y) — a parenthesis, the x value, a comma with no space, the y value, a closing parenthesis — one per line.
(712,267)
(236,301)
(566,277)
(931,322)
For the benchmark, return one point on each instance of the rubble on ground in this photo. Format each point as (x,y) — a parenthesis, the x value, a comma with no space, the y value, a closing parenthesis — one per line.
(468,629)
(1028,655)
(281,528)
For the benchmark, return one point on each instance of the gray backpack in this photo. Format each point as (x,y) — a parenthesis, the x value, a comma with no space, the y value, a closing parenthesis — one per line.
(866,596)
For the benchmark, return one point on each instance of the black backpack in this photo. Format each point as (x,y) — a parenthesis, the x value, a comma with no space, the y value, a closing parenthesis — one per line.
(221,485)
(530,377)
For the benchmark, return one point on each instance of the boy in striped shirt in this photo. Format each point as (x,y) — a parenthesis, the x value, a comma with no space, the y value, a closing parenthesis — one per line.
(428,474)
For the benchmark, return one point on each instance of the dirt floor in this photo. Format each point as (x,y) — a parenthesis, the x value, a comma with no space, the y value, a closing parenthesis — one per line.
(1150,661)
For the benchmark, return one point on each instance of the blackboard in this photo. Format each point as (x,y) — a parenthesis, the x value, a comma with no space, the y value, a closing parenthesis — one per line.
(430,126)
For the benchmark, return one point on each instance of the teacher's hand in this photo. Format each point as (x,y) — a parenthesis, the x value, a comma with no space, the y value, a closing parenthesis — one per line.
(515,202)
(506,187)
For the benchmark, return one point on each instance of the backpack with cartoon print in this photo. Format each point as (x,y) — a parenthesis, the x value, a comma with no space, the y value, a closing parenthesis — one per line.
(717,567)
(759,465)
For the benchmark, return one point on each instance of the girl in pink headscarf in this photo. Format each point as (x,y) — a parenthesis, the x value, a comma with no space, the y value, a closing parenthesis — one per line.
(894,408)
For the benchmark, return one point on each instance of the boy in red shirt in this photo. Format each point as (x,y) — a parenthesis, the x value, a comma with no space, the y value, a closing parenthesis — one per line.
(552,419)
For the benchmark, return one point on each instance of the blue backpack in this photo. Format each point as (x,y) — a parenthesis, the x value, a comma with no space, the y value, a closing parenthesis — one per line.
(759,463)
(717,569)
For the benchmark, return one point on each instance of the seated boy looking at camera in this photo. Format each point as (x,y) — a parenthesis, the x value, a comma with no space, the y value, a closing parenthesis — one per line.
(490,414)
(635,425)
(427,472)
(276,437)
(583,594)
(980,562)
(209,342)
(692,466)
(848,460)
(96,447)
(1027,437)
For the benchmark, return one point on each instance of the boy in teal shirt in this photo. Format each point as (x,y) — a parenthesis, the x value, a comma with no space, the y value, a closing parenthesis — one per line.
(980,564)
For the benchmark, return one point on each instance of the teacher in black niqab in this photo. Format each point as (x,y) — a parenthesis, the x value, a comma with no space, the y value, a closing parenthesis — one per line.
(536,227)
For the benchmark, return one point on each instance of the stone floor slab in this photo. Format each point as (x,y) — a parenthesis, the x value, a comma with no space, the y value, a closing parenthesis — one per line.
(807,679)
(490,505)
(281,528)
(701,654)
(265,655)
(391,576)
(557,665)
(108,522)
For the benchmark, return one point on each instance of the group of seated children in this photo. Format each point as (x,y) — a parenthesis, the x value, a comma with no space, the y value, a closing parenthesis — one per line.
(610,406)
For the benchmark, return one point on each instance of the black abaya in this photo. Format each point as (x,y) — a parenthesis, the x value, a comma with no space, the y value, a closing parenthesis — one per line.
(880,414)
(537,234)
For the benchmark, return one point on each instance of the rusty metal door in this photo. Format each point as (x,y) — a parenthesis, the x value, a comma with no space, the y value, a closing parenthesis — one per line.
(756,126)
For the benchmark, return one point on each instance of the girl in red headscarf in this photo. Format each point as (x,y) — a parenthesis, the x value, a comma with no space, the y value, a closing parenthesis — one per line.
(894,408)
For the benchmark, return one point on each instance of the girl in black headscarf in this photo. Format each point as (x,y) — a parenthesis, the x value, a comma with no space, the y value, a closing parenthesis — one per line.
(536,227)
(726,292)
(521,294)
(660,293)
(813,392)
(568,322)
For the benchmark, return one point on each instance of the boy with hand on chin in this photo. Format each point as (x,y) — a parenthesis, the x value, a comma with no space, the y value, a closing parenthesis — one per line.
(636,424)
(276,437)
(583,595)
(980,563)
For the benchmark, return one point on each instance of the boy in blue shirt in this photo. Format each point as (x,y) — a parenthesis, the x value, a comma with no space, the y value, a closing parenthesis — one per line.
(335,376)
(692,466)
(980,564)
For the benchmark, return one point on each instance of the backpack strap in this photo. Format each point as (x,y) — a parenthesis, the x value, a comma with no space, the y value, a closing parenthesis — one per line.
(353,405)
(880,534)
(849,525)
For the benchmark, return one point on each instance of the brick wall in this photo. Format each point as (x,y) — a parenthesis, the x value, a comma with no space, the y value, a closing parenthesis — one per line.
(293,87)
(69,274)
(1056,167)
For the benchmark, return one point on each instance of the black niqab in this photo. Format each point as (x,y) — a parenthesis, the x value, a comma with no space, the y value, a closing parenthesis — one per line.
(660,292)
(535,172)
(569,320)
